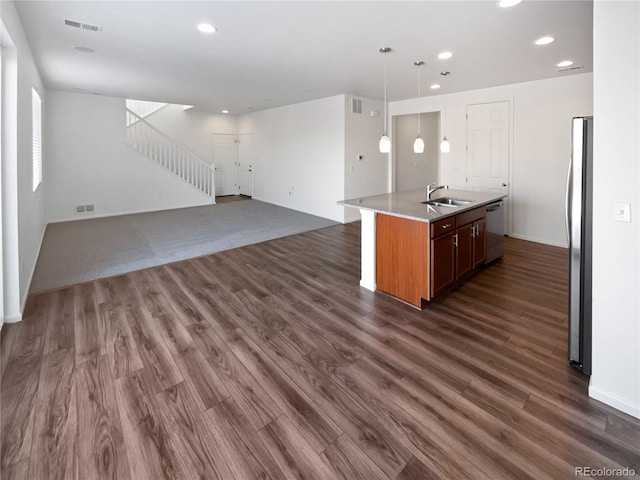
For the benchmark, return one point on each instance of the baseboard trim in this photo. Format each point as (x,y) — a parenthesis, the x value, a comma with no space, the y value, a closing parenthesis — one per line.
(537,240)
(615,401)
(13,318)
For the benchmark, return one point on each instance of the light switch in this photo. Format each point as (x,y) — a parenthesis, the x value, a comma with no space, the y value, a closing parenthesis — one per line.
(622,212)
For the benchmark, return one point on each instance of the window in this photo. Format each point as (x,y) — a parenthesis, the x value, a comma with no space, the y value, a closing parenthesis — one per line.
(36,122)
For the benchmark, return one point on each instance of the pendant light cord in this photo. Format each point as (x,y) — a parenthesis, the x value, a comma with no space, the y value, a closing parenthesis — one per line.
(385,93)
(419,93)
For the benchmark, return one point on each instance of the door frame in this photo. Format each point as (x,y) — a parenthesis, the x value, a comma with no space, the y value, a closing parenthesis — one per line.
(251,165)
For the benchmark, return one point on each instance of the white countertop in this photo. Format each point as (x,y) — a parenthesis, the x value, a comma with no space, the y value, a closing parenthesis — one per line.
(408,204)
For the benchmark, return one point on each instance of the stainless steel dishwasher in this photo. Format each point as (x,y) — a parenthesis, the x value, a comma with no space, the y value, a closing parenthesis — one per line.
(495,231)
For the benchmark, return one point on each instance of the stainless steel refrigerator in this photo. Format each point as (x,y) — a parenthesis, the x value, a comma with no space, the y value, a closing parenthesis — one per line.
(579,232)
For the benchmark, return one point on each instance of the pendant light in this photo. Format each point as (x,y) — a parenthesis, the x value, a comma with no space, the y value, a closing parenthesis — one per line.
(385,141)
(418,145)
(445,146)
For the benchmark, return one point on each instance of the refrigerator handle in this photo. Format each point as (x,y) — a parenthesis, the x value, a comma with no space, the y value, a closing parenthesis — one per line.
(567,200)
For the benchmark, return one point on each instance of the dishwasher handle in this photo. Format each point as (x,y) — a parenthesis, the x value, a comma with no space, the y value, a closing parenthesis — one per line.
(494,207)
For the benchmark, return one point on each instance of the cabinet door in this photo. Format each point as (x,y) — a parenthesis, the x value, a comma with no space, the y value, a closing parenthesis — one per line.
(443,261)
(479,242)
(464,250)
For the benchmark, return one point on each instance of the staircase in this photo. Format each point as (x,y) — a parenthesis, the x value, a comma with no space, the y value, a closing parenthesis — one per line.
(152,143)
(143,108)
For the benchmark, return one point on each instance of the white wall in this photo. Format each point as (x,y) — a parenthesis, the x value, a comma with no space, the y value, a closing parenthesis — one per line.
(88,161)
(30,219)
(299,155)
(616,246)
(193,129)
(541,145)
(413,170)
(368,176)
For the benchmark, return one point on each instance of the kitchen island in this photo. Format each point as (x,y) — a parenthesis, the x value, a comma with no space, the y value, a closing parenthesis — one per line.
(416,251)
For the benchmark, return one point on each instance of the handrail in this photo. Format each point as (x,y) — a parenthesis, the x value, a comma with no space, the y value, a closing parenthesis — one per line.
(154,144)
(142,108)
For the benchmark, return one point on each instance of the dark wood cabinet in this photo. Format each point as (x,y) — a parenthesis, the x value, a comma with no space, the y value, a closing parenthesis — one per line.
(479,242)
(443,260)
(456,254)
(464,250)
(417,261)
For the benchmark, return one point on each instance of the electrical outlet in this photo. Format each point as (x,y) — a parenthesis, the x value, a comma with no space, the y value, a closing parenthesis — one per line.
(89,208)
(80,208)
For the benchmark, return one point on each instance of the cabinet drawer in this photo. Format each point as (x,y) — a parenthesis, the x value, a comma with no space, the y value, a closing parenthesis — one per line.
(471,216)
(443,226)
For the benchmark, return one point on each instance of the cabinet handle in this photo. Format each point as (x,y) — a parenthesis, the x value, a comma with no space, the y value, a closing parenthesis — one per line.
(447,225)
(455,240)
(473,231)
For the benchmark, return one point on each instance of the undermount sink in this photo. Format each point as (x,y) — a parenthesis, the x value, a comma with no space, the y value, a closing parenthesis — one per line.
(447,202)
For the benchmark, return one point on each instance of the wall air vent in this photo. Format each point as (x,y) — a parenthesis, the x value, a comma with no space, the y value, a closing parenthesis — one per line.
(356,105)
(572,67)
(83,26)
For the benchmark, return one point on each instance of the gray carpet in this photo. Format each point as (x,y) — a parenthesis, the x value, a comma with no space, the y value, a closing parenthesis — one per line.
(74,252)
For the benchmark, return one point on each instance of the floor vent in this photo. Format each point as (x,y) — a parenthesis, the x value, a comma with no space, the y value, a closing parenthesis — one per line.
(83,26)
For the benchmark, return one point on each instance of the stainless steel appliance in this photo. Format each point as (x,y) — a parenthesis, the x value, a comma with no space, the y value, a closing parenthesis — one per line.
(579,234)
(495,231)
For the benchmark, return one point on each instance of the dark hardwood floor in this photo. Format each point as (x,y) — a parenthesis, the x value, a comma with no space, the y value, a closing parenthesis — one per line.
(269,361)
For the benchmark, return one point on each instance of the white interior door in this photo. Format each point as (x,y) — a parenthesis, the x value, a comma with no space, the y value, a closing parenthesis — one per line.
(225,159)
(488,127)
(245,164)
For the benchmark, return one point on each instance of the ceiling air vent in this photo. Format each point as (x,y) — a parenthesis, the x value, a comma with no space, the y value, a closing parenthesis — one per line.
(572,67)
(356,105)
(83,26)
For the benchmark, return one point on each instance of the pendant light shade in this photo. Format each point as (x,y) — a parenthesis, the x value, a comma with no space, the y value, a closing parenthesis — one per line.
(385,141)
(418,145)
(385,144)
(445,146)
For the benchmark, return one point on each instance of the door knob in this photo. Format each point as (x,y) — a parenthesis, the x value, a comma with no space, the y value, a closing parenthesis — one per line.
(504,184)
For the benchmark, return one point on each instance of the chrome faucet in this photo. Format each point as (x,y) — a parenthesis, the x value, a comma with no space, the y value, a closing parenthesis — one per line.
(433,188)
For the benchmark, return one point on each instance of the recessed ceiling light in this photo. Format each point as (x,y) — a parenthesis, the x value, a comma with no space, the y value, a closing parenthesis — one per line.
(508,3)
(445,55)
(84,49)
(565,63)
(435,86)
(225,111)
(206,28)
(544,40)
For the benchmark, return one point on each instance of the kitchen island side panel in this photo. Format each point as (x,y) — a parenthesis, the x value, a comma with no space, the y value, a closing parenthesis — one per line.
(402,258)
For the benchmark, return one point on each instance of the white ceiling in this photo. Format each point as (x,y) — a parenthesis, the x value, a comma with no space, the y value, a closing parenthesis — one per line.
(268,54)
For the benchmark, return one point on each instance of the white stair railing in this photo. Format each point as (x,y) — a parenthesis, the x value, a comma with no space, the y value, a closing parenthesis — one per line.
(152,143)
(142,108)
